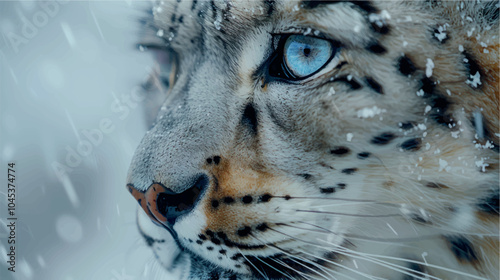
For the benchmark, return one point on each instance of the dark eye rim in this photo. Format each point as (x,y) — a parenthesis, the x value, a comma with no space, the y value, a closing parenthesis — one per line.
(276,61)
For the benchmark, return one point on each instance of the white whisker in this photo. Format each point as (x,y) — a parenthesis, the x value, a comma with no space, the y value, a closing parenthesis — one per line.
(343,266)
(283,273)
(410,261)
(348,214)
(267,243)
(253,265)
(291,268)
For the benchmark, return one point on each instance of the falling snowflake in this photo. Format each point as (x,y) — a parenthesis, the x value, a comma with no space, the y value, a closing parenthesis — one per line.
(428,68)
(427,109)
(349,136)
(441,34)
(474,80)
(370,112)
(443,165)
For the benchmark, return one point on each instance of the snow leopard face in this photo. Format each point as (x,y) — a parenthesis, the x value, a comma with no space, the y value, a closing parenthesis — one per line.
(322,140)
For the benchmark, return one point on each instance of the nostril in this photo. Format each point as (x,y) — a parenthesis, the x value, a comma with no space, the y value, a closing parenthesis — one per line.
(171,205)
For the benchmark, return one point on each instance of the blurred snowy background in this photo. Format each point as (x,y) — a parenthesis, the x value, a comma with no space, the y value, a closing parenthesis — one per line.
(70,120)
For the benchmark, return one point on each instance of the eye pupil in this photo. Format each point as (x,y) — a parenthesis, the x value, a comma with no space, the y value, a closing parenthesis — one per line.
(307,52)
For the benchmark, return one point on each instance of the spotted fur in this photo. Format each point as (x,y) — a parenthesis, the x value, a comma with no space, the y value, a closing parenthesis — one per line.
(383,165)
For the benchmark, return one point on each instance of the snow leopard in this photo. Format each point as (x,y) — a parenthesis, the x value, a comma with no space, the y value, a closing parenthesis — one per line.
(321,139)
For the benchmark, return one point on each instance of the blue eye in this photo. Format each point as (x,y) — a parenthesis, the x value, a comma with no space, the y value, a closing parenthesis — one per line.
(305,55)
(298,57)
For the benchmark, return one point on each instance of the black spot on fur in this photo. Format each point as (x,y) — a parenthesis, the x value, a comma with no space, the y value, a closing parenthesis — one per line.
(210,233)
(406,66)
(327,190)
(209,160)
(236,257)
(376,48)
(149,240)
(228,243)
(222,251)
(339,66)
(244,231)
(472,69)
(216,241)
(262,227)
(233,277)
(217,160)
(407,125)
(215,203)
(305,176)
(440,105)
(417,270)
(349,171)
(411,144)
(311,4)
(383,139)
(383,29)
(351,82)
(490,204)
(202,236)
(199,242)
(428,86)
(418,218)
(265,198)
(247,199)
(228,200)
(249,118)
(287,197)
(210,248)
(221,235)
(341,185)
(462,248)
(340,151)
(181,19)
(374,85)
(363,155)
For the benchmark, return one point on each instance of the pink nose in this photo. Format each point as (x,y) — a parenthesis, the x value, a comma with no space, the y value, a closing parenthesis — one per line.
(165,206)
